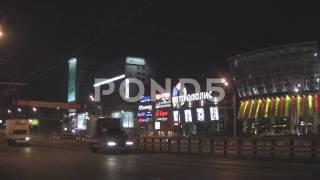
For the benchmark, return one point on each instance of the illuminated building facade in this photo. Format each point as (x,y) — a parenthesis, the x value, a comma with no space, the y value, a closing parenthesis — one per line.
(113,105)
(278,88)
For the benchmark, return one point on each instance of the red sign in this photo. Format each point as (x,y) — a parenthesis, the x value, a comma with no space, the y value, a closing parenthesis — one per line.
(160,113)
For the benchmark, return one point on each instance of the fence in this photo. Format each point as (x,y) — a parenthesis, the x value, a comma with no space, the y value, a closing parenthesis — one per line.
(283,147)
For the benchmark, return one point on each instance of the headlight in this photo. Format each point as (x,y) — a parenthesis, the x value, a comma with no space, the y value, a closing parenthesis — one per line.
(129,143)
(27,138)
(111,143)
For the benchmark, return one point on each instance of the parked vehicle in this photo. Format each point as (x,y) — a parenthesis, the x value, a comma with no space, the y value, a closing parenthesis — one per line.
(18,131)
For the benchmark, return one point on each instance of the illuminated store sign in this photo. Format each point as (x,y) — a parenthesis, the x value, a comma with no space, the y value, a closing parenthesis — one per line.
(163,100)
(144,99)
(145,114)
(188,115)
(146,107)
(214,113)
(157,125)
(161,115)
(191,97)
(200,114)
(82,121)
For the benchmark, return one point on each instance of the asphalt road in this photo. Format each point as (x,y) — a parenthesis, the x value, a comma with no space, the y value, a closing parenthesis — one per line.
(46,163)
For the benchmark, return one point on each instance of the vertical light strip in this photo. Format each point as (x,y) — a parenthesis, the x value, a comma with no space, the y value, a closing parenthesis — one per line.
(250,109)
(310,105)
(316,104)
(303,105)
(287,106)
(282,101)
(240,109)
(276,109)
(298,105)
(258,109)
(245,109)
(266,112)
(293,104)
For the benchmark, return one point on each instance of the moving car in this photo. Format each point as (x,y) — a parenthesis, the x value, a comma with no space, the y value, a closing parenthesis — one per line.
(106,134)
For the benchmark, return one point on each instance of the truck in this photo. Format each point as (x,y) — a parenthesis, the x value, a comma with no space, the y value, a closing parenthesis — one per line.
(18,131)
(107,134)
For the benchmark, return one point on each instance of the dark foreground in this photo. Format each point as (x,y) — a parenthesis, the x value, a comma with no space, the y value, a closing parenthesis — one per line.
(38,162)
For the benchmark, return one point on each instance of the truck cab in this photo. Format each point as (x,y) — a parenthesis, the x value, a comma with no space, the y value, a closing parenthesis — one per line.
(106,134)
(18,131)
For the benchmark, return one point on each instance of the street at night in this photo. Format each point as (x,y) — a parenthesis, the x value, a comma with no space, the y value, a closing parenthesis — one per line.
(159,90)
(40,162)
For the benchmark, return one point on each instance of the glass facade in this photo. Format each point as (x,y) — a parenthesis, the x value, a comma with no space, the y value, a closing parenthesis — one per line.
(278,88)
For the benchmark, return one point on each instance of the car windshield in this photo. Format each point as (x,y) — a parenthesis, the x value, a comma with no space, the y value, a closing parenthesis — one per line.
(20,132)
(115,132)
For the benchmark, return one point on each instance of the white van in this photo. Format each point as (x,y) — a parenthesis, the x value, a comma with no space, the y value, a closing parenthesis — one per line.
(18,131)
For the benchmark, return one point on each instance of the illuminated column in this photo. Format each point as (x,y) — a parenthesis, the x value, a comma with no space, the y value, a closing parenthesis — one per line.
(240,109)
(282,106)
(251,109)
(298,110)
(272,106)
(276,109)
(293,113)
(258,109)
(287,106)
(310,105)
(245,109)
(303,105)
(266,112)
(315,117)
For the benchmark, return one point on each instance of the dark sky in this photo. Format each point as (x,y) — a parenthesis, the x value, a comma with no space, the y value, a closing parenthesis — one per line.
(191,36)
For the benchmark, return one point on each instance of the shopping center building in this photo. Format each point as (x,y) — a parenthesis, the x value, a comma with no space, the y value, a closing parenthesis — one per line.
(278,88)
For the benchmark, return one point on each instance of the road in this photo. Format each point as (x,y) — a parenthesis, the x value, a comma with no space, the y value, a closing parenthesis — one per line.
(45,163)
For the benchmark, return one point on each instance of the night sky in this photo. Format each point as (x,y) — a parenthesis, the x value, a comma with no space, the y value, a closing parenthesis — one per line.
(181,37)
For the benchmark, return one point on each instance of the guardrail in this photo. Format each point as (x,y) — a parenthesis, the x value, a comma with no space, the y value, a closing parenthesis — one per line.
(283,147)
(71,141)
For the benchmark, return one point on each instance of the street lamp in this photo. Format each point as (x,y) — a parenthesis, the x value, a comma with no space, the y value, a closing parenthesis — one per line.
(34,109)
(19,109)
(91,98)
(9,111)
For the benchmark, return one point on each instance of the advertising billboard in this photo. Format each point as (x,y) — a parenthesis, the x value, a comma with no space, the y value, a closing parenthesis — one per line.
(200,114)
(214,113)
(188,115)
(176,116)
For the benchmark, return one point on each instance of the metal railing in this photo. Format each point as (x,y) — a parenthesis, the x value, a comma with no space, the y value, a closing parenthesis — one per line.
(282,147)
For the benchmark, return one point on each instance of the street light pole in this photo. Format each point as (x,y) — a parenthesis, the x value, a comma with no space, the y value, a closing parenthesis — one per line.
(234,114)
(234,106)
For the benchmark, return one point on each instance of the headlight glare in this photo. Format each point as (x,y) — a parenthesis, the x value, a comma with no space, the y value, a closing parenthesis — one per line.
(112,143)
(129,143)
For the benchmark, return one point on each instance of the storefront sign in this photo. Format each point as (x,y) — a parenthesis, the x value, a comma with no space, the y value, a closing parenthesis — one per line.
(163,100)
(145,99)
(146,107)
(161,115)
(191,97)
